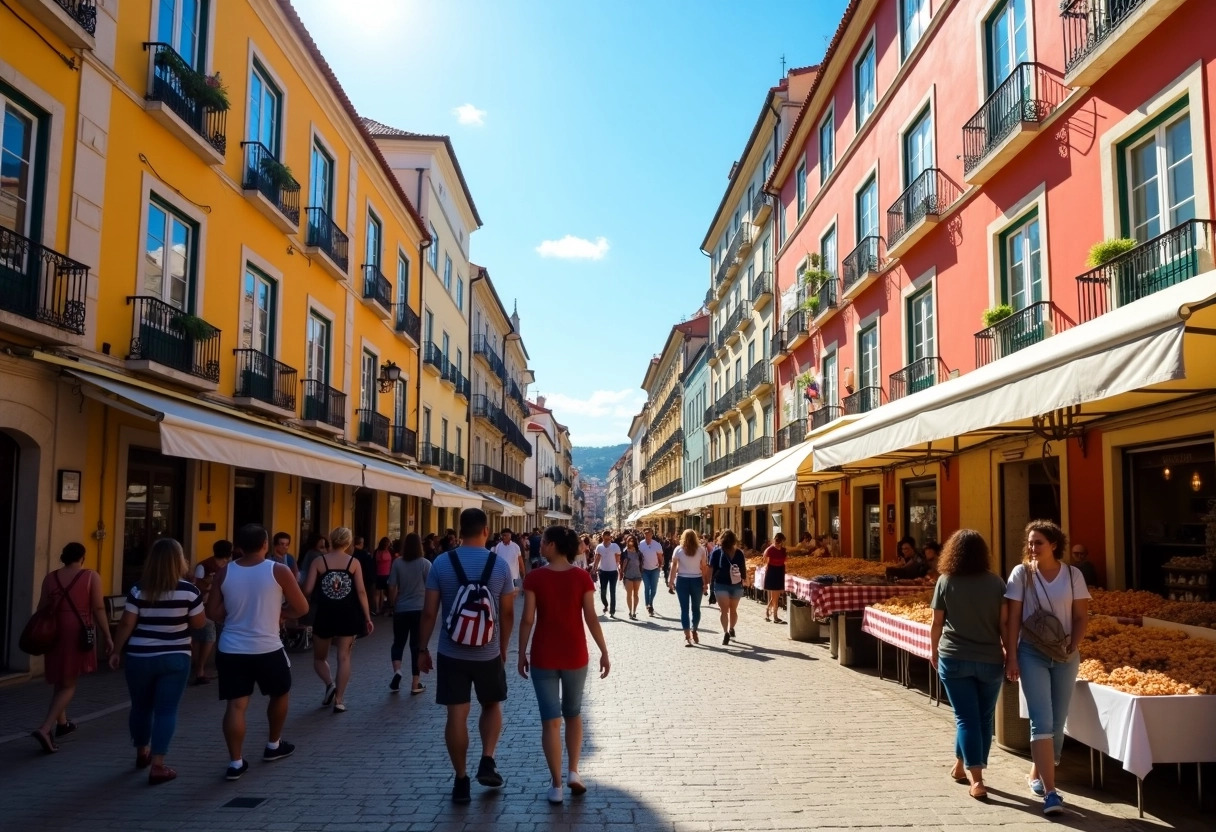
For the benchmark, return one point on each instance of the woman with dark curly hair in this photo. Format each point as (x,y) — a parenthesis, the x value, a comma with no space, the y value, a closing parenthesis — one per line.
(968,616)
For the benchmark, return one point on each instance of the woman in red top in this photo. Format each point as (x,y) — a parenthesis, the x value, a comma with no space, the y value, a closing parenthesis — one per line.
(384,565)
(555,598)
(774,577)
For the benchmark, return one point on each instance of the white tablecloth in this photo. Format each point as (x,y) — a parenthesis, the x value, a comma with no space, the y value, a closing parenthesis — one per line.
(1141,730)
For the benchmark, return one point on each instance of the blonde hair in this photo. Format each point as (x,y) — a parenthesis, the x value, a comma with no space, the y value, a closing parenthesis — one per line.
(164,567)
(339,538)
(689,542)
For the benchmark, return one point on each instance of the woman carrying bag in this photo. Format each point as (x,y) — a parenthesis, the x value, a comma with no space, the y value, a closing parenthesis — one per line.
(729,568)
(689,571)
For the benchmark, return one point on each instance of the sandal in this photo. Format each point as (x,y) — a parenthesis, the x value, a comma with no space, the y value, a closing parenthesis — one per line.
(160,774)
(48,744)
(768,617)
(695,637)
(978,791)
(417,690)
(778,621)
(65,729)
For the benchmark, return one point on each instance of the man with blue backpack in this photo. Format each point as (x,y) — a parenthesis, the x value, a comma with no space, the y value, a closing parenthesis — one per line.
(472,588)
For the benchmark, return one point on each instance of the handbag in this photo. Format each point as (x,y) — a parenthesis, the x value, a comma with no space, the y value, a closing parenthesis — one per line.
(88,634)
(41,632)
(1043,629)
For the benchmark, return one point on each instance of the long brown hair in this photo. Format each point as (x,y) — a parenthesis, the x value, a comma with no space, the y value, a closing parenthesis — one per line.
(1054,534)
(965,553)
(163,568)
(689,542)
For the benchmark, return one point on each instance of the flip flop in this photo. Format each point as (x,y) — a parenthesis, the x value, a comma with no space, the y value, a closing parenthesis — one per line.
(48,745)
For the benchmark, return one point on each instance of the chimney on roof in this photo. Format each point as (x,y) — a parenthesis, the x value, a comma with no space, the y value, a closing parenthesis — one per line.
(540,401)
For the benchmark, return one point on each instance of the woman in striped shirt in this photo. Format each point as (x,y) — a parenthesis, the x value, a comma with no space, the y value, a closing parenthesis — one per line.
(155,631)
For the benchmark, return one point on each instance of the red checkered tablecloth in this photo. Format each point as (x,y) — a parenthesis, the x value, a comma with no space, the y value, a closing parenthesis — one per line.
(829,599)
(904,634)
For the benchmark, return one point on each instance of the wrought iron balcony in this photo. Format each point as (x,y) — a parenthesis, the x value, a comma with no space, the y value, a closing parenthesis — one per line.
(720,274)
(84,12)
(458,467)
(777,344)
(791,435)
(260,377)
(673,442)
(735,320)
(929,195)
(860,262)
(1035,323)
(373,428)
(824,415)
(447,461)
(760,448)
(762,288)
(483,348)
(1166,260)
(324,234)
(271,178)
(718,466)
(40,284)
(795,326)
(432,356)
(463,387)
(709,296)
(1089,23)
(486,475)
(827,296)
(408,323)
(429,455)
(761,208)
(710,415)
(1027,97)
(166,335)
(178,85)
(919,375)
(377,288)
(759,375)
(863,401)
(405,441)
(739,244)
(324,404)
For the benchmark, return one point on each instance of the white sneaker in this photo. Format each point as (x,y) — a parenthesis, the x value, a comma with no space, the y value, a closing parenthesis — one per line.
(575,783)
(555,795)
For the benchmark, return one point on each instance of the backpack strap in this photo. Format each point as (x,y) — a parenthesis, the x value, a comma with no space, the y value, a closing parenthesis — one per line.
(461,579)
(488,570)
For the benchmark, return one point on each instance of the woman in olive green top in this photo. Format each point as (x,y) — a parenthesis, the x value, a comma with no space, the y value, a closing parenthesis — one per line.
(968,619)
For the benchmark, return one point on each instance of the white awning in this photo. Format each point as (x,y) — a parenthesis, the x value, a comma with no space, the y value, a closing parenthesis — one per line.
(632,516)
(556,515)
(717,492)
(653,510)
(1133,348)
(779,482)
(446,495)
(201,432)
(501,506)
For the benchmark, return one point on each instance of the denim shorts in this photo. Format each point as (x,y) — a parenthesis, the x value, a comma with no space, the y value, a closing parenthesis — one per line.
(559,693)
(729,590)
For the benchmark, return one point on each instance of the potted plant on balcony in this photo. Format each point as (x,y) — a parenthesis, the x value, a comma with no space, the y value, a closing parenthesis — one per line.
(1125,283)
(997,314)
(208,91)
(276,173)
(811,304)
(1103,251)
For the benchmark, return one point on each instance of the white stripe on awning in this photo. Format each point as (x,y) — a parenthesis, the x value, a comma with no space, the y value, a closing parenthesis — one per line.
(446,495)
(779,482)
(657,508)
(500,506)
(556,515)
(1133,347)
(717,492)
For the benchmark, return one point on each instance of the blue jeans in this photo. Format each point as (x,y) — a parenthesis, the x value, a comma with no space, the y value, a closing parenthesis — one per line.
(608,585)
(973,688)
(689,590)
(156,685)
(559,693)
(650,583)
(1047,686)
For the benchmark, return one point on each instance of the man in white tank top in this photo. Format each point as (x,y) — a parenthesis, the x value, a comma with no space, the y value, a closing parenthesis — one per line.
(249,597)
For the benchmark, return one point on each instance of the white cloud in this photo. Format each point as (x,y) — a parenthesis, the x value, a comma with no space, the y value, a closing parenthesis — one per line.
(469,115)
(574,248)
(599,419)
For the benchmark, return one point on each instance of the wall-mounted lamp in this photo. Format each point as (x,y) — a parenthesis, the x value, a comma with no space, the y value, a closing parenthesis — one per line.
(1196,483)
(390,374)
(1165,474)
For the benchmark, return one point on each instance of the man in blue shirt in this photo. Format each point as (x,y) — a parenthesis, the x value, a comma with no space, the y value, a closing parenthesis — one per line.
(461,668)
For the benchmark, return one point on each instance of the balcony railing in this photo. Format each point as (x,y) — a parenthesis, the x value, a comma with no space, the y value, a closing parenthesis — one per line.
(761,448)
(270,177)
(84,12)
(429,454)
(863,401)
(860,261)
(759,203)
(741,313)
(825,415)
(431,354)
(795,326)
(827,295)
(485,475)
(41,284)
(1027,96)
(376,287)
(762,285)
(324,233)
(791,435)
(168,336)
(258,376)
(1035,323)
(676,440)
(405,441)
(742,239)
(458,467)
(1166,260)
(760,374)
(323,403)
(720,274)
(718,466)
(919,375)
(1087,23)
(462,385)
(710,415)
(408,321)
(930,194)
(669,489)
(176,84)
(373,427)
(777,344)
(483,347)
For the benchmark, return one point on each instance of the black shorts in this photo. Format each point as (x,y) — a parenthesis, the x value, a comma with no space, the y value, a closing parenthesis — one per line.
(239,671)
(454,677)
(382,583)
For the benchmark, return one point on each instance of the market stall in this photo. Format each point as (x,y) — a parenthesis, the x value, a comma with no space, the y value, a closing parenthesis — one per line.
(909,638)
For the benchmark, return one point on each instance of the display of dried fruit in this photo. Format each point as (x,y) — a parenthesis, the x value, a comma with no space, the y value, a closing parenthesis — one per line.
(1200,562)
(1124,603)
(849,568)
(1147,661)
(1195,613)
(912,607)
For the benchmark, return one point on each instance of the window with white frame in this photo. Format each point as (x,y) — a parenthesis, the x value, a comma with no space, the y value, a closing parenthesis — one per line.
(1022,257)
(432,253)
(867,357)
(169,252)
(1159,169)
(829,390)
(371,256)
(447,273)
(460,293)
(921,336)
(1007,38)
(316,357)
(265,110)
(18,146)
(321,185)
(827,146)
(828,251)
(180,23)
(913,21)
(800,180)
(403,278)
(400,400)
(257,312)
(367,392)
(865,89)
(867,210)
(918,149)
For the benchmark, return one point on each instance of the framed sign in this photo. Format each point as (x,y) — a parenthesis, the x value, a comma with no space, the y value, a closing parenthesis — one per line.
(69,486)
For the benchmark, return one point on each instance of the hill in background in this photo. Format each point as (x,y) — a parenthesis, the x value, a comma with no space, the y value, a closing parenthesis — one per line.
(595,462)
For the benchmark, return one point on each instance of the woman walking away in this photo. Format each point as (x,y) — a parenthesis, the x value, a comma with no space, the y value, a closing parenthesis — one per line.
(729,569)
(335,586)
(969,612)
(406,593)
(774,577)
(689,570)
(631,572)
(75,593)
(384,564)
(1048,613)
(155,631)
(559,600)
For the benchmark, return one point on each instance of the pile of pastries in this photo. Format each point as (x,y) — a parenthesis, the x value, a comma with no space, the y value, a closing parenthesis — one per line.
(912,607)
(1124,603)
(1147,661)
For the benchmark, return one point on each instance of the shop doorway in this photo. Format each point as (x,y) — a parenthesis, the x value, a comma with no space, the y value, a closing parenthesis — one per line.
(1029,491)
(10,457)
(154,501)
(248,500)
(833,501)
(312,511)
(1168,493)
(920,510)
(761,520)
(871,519)
(365,517)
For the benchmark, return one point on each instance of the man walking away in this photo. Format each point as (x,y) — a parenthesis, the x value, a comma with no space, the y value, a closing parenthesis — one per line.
(508,550)
(204,637)
(247,598)
(652,563)
(534,549)
(607,565)
(473,587)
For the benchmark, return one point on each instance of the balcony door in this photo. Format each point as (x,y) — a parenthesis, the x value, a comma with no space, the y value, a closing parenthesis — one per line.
(921,340)
(265,110)
(867,359)
(374,233)
(867,210)
(169,251)
(321,181)
(17,146)
(316,363)
(830,390)
(179,23)
(918,148)
(1161,180)
(367,377)
(399,403)
(257,312)
(1008,40)
(1023,265)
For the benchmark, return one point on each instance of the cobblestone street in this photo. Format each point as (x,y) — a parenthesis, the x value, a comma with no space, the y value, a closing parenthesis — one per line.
(784,738)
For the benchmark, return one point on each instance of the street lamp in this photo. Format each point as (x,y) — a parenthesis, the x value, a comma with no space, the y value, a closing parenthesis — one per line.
(390,374)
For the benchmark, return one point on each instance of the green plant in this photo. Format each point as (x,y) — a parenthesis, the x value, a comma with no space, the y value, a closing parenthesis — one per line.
(803,380)
(811,304)
(193,327)
(1106,250)
(996,314)
(815,275)
(277,173)
(206,90)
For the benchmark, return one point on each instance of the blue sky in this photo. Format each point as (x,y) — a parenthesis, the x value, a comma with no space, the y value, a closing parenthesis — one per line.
(596,136)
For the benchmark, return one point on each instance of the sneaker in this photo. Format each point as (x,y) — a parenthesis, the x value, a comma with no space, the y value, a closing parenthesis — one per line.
(235,772)
(575,783)
(1036,786)
(331,690)
(285,749)
(725,639)
(1053,804)
(487,774)
(395,685)
(555,795)
(460,790)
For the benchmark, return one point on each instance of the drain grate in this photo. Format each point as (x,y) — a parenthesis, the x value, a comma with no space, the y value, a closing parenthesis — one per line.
(244,803)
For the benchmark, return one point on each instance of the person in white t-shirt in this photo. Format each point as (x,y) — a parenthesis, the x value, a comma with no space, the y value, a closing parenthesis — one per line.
(652,563)
(509,550)
(607,565)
